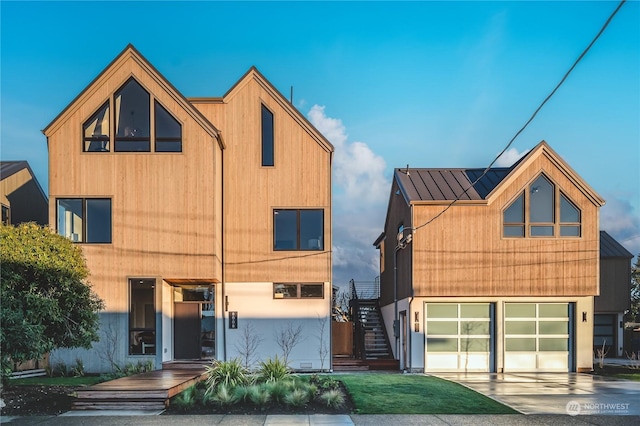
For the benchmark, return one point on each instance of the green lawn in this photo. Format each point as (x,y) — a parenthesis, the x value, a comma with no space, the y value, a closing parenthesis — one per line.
(415,394)
(56,381)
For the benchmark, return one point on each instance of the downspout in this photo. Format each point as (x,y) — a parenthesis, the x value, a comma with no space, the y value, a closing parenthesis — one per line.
(407,365)
(224,269)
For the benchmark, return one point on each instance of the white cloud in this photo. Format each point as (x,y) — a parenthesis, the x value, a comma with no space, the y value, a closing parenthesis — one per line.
(357,171)
(619,218)
(359,201)
(509,157)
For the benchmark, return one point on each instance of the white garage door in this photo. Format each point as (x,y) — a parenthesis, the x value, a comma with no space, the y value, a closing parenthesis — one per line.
(536,337)
(458,336)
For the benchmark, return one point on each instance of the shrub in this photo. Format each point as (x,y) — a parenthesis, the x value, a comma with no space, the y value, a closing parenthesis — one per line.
(78,370)
(278,390)
(259,395)
(230,373)
(297,397)
(273,370)
(186,399)
(333,398)
(224,395)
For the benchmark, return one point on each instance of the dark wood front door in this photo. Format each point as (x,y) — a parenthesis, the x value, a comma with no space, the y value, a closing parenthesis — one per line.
(186,331)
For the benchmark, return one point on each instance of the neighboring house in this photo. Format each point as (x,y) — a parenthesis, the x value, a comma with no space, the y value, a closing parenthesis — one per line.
(615,296)
(503,279)
(23,199)
(205,222)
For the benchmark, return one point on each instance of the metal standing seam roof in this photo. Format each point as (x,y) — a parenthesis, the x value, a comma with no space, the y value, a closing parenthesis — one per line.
(449,184)
(609,247)
(8,168)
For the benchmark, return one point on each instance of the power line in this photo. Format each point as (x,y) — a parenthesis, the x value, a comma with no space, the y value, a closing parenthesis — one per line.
(555,89)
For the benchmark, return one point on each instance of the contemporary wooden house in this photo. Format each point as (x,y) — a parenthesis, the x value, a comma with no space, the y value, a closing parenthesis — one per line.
(23,199)
(492,272)
(614,299)
(204,221)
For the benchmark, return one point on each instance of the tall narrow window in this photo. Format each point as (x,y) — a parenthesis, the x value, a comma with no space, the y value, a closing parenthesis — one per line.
(96,131)
(541,207)
(132,113)
(6,215)
(168,131)
(84,220)
(298,229)
(142,316)
(267,137)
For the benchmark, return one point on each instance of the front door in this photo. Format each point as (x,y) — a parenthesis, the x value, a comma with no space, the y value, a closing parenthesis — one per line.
(186,336)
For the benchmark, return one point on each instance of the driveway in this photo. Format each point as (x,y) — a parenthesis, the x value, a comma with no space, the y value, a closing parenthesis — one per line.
(555,393)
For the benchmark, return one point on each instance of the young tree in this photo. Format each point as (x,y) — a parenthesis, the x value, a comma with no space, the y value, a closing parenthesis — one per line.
(635,291)
(46,301)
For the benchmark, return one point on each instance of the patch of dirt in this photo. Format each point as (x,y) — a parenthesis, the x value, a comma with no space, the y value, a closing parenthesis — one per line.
(36,400)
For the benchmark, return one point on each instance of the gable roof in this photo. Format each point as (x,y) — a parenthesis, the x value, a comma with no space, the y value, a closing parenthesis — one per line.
(9,168)
(449,185)
(609,247)
(254,74)
(130,52)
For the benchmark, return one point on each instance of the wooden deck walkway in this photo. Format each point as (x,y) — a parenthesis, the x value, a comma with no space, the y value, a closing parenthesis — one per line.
(145,391)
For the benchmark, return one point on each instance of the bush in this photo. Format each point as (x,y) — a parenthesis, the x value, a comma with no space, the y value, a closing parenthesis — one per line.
(224,395)
(229,373)
(297,397)
(187,398)
(273,370)
(332,398)
(259,395)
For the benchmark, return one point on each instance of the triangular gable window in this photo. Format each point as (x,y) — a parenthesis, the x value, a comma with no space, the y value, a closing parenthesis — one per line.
(136,122)
(541,211)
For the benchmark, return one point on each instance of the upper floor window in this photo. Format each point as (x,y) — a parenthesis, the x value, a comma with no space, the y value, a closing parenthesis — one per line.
(541,211)
(298,291)
(267,137)
(96,131)
(136,122)
(84,220)
(6,215)
(298,229)
(133,130)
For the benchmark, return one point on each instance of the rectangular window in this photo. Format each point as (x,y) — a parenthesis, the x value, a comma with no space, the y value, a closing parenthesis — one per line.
(6,215)
(298,291)
(142,316)
(267,137)
(84,220)
(298,229)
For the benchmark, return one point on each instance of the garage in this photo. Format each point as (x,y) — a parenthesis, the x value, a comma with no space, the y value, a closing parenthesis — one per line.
(459,336)
(537,337)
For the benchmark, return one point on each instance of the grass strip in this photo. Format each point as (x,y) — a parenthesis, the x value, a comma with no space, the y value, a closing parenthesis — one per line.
(374,393)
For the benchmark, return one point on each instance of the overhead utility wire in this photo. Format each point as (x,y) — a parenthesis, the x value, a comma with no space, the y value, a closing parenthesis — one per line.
(457,198)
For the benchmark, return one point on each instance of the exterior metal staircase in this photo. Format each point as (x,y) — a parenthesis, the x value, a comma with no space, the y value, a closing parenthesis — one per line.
(370,336)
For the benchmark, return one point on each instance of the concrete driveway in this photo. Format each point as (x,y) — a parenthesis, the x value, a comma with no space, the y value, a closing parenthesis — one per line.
(555,393)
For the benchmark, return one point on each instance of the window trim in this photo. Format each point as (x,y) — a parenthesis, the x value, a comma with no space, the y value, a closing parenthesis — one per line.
(7,209)
(527,226)
(84,216)
(298,291)
(298,223)
(271,142)
(110,140)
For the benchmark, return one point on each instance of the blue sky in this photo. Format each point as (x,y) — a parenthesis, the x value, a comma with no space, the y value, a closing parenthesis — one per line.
(430,84)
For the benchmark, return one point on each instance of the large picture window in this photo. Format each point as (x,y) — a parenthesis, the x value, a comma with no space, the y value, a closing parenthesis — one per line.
(542,210)
(142,316)
(84,220)
(134,116)
(301,229)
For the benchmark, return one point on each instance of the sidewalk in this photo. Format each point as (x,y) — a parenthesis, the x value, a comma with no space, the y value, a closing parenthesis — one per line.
(327,420)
